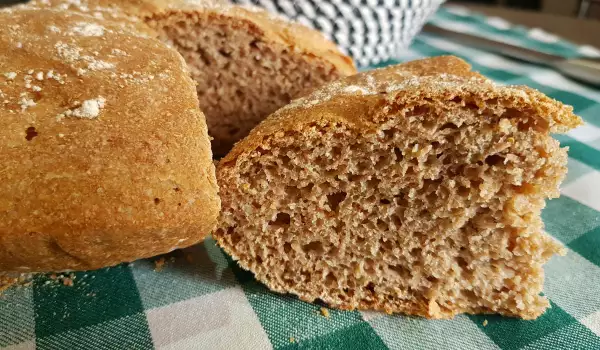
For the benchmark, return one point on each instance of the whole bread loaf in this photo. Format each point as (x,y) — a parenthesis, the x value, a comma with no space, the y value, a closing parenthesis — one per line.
(415,188)
(246,62)
(105,154)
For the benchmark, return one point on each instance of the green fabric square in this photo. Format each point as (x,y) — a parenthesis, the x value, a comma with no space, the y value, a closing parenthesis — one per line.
(572,283)
(591,115)
(17,323)
(359,336)
(573,336)
(513,333)
(577,170)
(129,332)
(285,316)
(194,271)
(588,246)
(566,219)
(580,151)
(95,297)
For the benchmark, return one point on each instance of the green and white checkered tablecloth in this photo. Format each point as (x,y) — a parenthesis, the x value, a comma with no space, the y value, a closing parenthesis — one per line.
(201,300)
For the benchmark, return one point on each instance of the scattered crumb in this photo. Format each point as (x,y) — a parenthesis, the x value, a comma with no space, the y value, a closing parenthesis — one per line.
(118,52)
(292,340)
(87,29)
(39,76)
(26,103)
(53,276)
(325,312)
(10,75)
(485,323)
(14,280)
(98,65)
(67,52)
(89,109)
(67,282)
(159,264)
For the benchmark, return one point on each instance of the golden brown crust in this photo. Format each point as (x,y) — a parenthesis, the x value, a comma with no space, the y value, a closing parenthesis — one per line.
(351,99)
(264,61)
(273,29)
(105,153)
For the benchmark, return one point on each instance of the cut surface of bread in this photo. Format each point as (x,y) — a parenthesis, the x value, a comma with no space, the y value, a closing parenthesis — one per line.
(105,154)
(246,62)
(415,189)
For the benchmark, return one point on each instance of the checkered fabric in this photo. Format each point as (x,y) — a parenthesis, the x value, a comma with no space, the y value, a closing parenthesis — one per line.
(202,300)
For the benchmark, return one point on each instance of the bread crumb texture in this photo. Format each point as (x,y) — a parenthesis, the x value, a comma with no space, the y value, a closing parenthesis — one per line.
(13,280)
(415,189)
(246,62)
(89,139)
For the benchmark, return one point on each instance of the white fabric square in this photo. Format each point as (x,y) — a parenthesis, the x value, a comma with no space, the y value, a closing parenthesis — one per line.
(585,133)
(215,321)
(592,322)
(585,190)
(572,283)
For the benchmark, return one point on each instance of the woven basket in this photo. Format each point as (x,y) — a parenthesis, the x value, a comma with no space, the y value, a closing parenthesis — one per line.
(371,31)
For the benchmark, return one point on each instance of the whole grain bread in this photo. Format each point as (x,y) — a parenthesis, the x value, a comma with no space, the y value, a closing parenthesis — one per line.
(246,62)
(105,154)
(415,189)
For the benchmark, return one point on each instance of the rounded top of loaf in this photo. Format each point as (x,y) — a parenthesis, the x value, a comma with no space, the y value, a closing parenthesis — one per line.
(99,124)
(364,100)
(271,27)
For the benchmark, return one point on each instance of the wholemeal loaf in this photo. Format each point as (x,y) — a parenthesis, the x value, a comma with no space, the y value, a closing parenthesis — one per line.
(246,62)
(415,188)
(105,154)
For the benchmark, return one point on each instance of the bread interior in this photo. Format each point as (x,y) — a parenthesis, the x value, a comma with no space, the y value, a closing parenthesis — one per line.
(435,211)
(241,78)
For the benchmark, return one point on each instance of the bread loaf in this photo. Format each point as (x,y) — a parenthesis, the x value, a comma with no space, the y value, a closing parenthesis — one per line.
(415,189)
(105,154)
(246,62)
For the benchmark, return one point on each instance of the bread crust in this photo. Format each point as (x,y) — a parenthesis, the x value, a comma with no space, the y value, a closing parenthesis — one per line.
(271,28)
(353,100)
(105,155)
(297,59)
